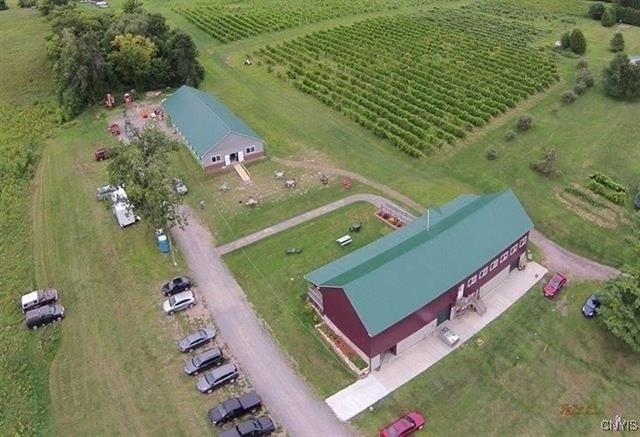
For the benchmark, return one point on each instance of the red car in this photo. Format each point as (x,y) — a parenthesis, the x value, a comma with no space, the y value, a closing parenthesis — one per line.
(404,425)
(554,285)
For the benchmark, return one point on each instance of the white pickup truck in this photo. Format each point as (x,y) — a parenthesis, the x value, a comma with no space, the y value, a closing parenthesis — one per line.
(38,298)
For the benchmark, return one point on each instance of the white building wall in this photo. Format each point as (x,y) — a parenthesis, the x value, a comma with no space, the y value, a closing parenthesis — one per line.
(416,337)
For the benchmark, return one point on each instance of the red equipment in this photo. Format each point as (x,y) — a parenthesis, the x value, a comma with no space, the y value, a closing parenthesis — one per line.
(128,99)
(114,129)
(346,183)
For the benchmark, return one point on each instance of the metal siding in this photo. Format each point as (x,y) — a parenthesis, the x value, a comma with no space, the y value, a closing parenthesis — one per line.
(234,143)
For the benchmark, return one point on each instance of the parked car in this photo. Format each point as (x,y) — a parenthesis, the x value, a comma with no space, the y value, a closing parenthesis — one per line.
(38,298)
(176,285)
(250,428)
(592,306)
(404,425)
(43,315)
(196,339)
(235,407)
(215,378)
(203,361)
(555,284)
(104,192)
(179,186)
(179,301)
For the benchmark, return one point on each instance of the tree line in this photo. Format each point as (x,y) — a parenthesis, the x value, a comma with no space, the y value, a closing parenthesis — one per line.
(92,54)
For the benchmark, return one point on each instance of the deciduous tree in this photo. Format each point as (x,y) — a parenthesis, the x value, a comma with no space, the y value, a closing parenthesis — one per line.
(142,168)
(131,58)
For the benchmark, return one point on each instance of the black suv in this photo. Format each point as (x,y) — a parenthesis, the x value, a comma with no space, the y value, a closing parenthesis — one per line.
(234,407)
(251,428)
(204,360)
(213,379)
(176,285)
(45,314)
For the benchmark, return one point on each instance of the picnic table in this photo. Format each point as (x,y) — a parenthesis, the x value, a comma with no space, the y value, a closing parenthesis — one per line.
(293,250)
(355,227)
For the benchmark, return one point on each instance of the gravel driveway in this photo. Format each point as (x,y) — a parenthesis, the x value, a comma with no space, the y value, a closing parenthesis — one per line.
(298,410)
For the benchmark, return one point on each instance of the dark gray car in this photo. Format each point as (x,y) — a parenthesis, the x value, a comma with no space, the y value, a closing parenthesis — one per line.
(234,407)
(196,339)
(42,315)
(213,379)
(251,428)
(203,361)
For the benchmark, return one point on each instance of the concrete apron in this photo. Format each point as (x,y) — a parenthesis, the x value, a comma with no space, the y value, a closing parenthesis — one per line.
(396,372)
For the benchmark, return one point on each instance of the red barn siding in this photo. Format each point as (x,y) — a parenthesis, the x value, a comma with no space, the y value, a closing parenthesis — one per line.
(338,308)
(340,311)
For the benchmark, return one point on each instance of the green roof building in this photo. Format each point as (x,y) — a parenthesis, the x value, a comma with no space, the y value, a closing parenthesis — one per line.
(215,136)
(410,280)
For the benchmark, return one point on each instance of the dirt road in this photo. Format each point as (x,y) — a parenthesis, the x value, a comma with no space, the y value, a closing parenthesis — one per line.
(290,401)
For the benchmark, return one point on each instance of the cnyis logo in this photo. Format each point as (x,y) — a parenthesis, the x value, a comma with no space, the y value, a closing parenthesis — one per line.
(619,424)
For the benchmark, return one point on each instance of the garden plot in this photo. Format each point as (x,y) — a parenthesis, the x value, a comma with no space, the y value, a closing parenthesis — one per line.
(420,81)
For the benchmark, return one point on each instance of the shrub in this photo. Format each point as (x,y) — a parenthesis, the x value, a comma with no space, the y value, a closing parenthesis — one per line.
(491,154)
(609,17)
(524,123)
(580,88)
(568,97)
(577,42)
(547,165)
(585,77)
(617,42)
(596,10)
(622,78)
(565,40)
(582,64)
(510,135)
(26,3)
(3,5)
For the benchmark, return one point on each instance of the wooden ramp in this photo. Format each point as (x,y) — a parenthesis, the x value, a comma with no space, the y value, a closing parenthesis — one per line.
(242,172)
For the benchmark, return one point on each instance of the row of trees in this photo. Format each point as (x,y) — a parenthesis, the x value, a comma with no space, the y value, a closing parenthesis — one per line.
(92,54)
(627,12)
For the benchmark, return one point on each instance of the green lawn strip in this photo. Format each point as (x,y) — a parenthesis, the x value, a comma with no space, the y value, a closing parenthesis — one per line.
(541,365)
(274,284)
(118,363)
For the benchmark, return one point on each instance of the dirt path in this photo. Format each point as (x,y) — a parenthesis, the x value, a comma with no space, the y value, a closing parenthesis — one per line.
(267,232)
(290,401)
(558,259)
(390,192)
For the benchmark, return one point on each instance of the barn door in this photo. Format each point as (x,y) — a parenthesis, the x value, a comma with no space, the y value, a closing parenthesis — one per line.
(240,156)
(227,160)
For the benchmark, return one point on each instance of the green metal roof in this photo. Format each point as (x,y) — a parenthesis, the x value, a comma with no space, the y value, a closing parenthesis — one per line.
(203,119)
(395,275)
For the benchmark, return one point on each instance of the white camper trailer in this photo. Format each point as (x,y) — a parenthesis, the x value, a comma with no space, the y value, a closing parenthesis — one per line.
(122,209)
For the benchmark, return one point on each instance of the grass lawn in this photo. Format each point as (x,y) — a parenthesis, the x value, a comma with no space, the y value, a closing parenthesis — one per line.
(540,369)
(118,370)
(275,287)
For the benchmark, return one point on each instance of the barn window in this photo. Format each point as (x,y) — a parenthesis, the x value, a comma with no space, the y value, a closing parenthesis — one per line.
(250,149)
(504,257)
(483,272)
(513,249)
(523,241)
(216,158)
(472,280)
(494,264)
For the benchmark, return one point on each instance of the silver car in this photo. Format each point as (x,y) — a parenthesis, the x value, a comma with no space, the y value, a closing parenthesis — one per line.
(179,301)
(213,379)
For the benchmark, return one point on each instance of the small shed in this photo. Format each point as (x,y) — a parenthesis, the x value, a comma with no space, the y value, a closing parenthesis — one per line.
(216,137)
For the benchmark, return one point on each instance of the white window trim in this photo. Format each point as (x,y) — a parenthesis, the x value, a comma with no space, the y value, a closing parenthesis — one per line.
(523,241)
(504,256)
(472,280)
(514,249)
(483,272)
(216,158)
(494,264)
(250,149)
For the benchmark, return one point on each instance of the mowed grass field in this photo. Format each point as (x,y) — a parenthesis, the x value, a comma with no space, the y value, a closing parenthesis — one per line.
(274,284)
(118,369)
(542,368)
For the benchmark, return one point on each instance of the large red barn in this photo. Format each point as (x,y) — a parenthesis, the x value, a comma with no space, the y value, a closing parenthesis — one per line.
(390,294)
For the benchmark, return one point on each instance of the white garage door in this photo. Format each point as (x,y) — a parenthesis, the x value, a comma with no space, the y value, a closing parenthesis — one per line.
(495,281)
(416,337)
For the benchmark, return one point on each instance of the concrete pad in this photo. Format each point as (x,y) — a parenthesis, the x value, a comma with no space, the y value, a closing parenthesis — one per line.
(356,397)
(401,369)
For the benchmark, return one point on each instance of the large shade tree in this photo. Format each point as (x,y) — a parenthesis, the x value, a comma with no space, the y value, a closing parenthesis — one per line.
(142,168)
